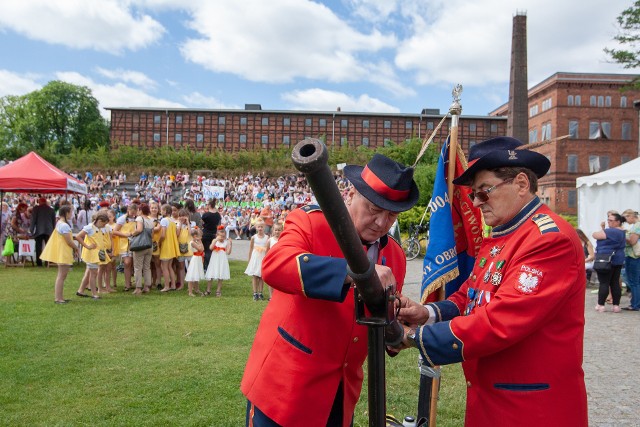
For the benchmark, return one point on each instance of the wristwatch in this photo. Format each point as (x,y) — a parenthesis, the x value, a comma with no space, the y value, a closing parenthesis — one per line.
(411,337)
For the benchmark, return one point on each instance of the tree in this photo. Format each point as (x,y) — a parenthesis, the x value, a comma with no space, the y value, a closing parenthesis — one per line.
(56,119)
(629,23)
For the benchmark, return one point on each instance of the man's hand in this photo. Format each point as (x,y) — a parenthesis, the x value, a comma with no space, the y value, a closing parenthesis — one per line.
(411,313)
(405,343)
(385,275)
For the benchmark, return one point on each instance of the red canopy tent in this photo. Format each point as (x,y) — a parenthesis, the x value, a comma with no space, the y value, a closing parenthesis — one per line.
(33,174)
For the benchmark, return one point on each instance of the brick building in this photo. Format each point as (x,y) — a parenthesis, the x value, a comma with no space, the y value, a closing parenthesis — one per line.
(599,118)
(254,128)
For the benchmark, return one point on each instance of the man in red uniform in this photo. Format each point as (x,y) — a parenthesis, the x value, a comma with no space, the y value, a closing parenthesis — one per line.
(305,367)
(517,323)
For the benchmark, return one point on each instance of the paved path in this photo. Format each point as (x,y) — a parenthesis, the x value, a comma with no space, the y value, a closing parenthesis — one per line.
(611,353)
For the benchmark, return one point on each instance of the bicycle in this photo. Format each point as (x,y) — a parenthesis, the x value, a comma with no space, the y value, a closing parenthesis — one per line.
(413,245)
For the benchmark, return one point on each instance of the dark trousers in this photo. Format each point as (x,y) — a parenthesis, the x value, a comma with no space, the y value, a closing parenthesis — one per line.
(609,280)
(41,241)
(256,418)
(206,242)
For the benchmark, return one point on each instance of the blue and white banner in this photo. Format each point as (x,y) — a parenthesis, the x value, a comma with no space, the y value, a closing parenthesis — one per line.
(212,192)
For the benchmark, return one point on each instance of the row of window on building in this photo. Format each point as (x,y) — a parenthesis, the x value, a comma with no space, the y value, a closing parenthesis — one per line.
(596,163)
(264,139)
(286,121)
(576,100)
(597,130)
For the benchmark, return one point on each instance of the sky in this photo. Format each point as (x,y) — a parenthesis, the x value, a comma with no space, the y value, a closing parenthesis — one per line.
(385,56)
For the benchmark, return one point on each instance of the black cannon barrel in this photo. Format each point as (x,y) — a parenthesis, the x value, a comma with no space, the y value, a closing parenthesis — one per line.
(310,157)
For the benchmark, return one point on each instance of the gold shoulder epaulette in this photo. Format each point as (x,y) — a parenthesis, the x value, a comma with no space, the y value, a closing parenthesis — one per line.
(310,208)
(545,223)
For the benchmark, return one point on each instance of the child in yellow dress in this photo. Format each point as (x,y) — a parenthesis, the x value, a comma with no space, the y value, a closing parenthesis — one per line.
(168,248)
(156,270)
(60,250)
(125,226)
(112,273)
(106,262)
(94,252)
(184,238)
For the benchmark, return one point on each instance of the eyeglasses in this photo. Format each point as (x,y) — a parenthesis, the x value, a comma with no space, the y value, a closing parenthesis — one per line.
(483,195)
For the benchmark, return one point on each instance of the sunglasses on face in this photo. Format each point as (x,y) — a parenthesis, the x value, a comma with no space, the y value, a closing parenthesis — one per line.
(483,195)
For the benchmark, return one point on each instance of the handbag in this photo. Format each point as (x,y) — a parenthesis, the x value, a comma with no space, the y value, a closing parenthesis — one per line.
(602,263)
(141,241)
(102,255)
(9,248)
(184,248)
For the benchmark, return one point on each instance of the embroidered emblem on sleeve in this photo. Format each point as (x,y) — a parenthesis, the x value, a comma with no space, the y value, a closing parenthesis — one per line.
(529,280)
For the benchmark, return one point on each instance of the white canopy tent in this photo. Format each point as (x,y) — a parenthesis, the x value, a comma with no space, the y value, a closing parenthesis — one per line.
(617,189)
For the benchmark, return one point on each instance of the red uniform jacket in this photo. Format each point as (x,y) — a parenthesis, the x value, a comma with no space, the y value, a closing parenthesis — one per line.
(517,324)
(308,341)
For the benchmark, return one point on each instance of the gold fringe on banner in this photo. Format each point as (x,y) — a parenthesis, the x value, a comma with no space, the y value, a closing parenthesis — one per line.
(438,283)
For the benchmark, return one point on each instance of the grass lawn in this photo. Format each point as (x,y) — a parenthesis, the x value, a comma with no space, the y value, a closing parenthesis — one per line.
(158,359)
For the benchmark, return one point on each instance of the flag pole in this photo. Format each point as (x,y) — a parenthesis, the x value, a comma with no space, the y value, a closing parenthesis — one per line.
(454,111)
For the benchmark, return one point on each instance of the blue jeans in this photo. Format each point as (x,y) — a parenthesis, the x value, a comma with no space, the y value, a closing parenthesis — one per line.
(632,266)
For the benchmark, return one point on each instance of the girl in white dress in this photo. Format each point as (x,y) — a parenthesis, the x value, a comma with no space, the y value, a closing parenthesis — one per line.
(195,271)
(257,250)
(275,235)
(218,268)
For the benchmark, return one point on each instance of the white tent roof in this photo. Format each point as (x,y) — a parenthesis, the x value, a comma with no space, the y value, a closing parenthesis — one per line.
(626,172)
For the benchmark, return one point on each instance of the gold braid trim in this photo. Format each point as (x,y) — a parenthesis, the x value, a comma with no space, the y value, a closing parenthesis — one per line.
(437,311)
(424,350)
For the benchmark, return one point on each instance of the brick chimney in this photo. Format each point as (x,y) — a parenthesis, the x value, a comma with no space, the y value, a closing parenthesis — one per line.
(518,118)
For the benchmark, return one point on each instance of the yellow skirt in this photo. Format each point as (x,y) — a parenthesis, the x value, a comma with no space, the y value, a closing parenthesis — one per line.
(57,250)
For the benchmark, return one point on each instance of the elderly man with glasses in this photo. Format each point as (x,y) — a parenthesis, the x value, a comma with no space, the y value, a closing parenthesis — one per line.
(517,323)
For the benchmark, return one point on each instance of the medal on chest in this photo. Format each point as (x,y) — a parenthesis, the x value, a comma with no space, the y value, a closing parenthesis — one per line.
(487,274)
(496,276)
(494,251)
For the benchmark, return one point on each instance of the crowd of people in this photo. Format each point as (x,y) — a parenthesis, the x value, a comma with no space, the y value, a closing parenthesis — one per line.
(242,191)
(97,229)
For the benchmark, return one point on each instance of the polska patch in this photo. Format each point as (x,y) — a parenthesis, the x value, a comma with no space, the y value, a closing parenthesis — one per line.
(529,280)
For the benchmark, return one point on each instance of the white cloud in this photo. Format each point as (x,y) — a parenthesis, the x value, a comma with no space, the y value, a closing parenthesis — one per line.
(15,84)
(279,41)
(374,10)
(466,42)
(326,100)
(117,95)
(196,99)
(128,76)
(103,25)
